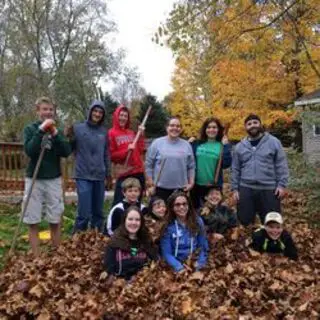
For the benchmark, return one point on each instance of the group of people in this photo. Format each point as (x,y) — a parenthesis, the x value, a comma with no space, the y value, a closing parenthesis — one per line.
(183,179)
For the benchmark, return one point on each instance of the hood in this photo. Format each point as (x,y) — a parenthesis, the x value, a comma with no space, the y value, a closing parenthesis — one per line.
(151,203)
(115,118)
(96,103)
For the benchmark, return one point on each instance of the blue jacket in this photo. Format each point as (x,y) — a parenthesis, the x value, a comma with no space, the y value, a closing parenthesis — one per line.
(177,244)
(90,145)
(262,167)
(226,158)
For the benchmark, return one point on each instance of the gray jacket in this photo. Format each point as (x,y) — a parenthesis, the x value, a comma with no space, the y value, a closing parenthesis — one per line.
(262,167)
(91,148)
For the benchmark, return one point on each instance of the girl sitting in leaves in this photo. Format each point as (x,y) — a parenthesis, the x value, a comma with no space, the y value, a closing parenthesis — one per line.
(130,247)
(183,234)
(272,238)
(155,218)
(217,217)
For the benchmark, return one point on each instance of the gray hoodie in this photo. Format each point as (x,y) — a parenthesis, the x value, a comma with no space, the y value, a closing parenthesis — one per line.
(262,167)
(91,148)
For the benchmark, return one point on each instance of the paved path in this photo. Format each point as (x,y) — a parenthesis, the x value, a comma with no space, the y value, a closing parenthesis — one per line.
(16,197)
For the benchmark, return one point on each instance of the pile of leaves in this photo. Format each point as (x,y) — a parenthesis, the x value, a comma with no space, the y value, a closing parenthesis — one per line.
(238,283)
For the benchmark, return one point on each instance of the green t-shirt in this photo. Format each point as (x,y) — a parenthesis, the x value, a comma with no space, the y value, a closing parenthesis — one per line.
(207,155)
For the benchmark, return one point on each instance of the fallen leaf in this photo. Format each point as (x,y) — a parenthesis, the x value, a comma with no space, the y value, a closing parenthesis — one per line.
(197,276)
(229,268)
(36,291)
(186,306)
(303,307)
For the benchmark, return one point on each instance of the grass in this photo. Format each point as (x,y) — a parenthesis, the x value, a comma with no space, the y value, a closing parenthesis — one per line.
(9,219)
(306,177)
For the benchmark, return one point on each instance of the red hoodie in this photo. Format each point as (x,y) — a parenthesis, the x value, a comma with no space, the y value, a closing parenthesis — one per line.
(119,140)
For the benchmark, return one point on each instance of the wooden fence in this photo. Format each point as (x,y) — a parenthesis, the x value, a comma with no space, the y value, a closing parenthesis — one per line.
(13,163)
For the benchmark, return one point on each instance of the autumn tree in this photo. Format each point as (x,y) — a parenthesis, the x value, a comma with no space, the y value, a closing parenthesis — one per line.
(235,57)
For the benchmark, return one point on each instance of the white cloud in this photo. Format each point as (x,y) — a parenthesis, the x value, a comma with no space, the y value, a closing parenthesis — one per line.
(137,21)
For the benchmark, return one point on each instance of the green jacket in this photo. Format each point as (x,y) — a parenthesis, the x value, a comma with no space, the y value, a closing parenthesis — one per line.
(58,147)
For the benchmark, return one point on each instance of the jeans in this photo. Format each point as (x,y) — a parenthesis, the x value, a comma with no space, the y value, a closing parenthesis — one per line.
(254,201)
(90,205)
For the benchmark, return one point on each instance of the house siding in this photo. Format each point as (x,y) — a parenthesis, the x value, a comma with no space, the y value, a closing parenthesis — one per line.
(311,143)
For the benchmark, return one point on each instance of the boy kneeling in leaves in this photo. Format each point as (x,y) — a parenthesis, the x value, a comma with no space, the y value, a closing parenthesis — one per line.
(217,217)
(272,238)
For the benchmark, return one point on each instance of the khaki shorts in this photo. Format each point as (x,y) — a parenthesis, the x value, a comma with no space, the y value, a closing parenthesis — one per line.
(46,198)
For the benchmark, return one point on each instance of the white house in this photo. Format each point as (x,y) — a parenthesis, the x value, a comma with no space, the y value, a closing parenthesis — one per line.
(310,103)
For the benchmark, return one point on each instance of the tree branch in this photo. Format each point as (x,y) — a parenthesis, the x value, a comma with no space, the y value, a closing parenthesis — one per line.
(275,19)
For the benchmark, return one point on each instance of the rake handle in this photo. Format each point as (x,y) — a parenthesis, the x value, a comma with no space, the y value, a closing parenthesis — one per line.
(45,140)
(136,138)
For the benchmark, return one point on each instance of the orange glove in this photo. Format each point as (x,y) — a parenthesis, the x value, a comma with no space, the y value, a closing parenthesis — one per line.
(49,126)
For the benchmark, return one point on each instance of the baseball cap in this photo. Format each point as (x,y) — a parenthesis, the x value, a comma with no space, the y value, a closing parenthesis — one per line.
(274,217)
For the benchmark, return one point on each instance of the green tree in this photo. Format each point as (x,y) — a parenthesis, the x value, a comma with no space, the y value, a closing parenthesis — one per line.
(155,126)
(55,48)
(110,105)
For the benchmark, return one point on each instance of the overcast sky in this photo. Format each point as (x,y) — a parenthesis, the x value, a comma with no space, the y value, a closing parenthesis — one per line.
(137,20)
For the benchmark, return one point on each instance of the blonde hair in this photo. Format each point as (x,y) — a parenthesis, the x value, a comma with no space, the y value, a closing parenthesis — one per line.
(130,183)
(44,100)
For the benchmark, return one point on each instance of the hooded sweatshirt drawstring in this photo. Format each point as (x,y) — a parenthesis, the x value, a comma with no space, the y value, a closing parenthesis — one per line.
(120,262)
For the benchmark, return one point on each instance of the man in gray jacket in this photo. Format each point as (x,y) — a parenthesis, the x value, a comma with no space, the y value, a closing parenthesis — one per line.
(259,172)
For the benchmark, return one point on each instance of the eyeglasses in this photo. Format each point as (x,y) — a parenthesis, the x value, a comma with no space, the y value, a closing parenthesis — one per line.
(181,204)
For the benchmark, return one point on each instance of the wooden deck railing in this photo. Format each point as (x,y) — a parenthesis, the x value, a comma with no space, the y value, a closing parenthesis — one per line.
(13,163)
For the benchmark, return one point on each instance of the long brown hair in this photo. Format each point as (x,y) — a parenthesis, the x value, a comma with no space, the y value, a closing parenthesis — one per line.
(203,134)
(121,235)
(191,221)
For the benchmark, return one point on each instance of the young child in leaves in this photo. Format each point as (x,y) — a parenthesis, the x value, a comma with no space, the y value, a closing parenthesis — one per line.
(131,189)
(183,234)
(217,217)
(272,238)
(130,247)
(156,217)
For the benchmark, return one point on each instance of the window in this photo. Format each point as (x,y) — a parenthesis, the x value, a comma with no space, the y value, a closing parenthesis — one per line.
(316,130)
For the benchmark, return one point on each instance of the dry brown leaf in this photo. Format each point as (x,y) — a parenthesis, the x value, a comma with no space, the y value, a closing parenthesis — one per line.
(36,291)
(229,268)
(303,307)
(186,306)
(197,276)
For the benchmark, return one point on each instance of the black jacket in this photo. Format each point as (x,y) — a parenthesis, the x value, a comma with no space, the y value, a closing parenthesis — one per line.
(125,257)
(218,219)
(263,243)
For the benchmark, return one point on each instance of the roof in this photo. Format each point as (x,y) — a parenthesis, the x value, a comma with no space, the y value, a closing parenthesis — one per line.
(310,98)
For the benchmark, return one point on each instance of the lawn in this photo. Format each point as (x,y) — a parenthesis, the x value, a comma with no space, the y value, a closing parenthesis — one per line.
(9,218)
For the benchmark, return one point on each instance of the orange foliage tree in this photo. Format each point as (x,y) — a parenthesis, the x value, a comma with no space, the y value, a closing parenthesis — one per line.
(238,57)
